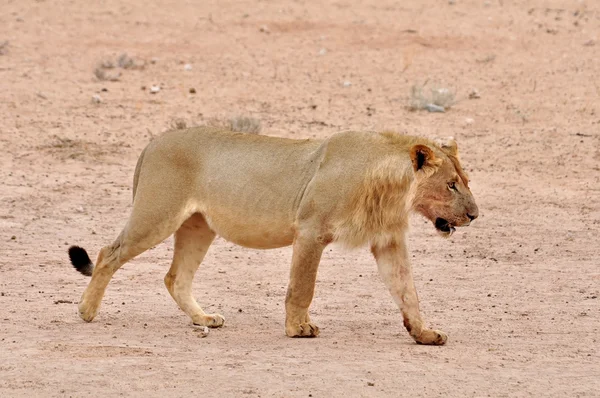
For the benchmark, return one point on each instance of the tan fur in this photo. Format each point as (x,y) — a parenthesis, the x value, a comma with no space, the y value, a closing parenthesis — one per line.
(264,192)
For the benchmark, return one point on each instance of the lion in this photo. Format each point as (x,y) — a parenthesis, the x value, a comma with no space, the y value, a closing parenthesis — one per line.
(353,188)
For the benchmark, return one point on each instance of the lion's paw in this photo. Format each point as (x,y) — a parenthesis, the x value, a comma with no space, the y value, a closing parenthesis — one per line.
(210,320)
(87,312)
(432,337)
(305,329)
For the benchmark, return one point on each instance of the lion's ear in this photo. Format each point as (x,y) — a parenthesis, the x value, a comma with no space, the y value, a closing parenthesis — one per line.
(423,159)
(449,146)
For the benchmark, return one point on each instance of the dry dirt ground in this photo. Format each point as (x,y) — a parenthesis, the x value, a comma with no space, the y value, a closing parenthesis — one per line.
(517,292)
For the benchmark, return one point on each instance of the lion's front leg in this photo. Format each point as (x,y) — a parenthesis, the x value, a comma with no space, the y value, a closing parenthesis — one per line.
(305,261)
(394,268)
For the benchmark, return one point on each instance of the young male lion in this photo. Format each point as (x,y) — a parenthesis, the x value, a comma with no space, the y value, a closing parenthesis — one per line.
(354,188)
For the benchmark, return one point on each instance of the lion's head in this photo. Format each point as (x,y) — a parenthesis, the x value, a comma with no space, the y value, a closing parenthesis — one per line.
(442,192)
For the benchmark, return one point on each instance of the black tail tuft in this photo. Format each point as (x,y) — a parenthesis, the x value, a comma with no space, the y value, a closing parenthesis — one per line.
(80,260)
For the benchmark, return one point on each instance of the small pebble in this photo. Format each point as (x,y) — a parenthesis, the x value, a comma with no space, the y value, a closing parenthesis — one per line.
(474,94)
(323,51)
(192,90)
(3,47)
(347,83)
(187,67)
(154,89)
(435,108)
(96,99)
(202,330)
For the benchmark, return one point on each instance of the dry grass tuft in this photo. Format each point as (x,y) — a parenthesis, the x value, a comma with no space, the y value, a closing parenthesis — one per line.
(239,124)
(62,143)
(104,68)
(66,148)
(178,124)
(103,74)
(107,64)
(125,61)
(245,124)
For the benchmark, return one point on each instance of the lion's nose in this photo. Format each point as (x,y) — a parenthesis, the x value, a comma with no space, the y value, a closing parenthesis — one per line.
(472,211)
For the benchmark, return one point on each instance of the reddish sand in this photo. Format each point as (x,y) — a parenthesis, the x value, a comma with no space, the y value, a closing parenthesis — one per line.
(517,292)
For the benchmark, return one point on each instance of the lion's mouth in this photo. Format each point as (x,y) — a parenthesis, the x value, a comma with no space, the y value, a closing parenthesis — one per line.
(444,226)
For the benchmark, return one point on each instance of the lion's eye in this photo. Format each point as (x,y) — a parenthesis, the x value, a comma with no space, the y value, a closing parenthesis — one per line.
(452,185)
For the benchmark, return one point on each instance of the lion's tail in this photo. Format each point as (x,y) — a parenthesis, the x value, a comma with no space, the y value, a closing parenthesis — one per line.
(80,260)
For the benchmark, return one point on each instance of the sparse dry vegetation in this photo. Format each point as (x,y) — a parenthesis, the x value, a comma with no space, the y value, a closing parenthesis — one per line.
(239,124)
(102,73)
(125,61)
(487,59)
(67,148)
(103,70)
(178,124)
(106,64)
(245,124)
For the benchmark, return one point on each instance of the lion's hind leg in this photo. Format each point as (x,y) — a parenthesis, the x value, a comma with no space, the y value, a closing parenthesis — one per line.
(137,237)
(155,216)
(110,259)
(192,241)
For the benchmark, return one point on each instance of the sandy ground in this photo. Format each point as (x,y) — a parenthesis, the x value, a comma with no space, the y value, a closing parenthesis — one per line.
(517,292)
